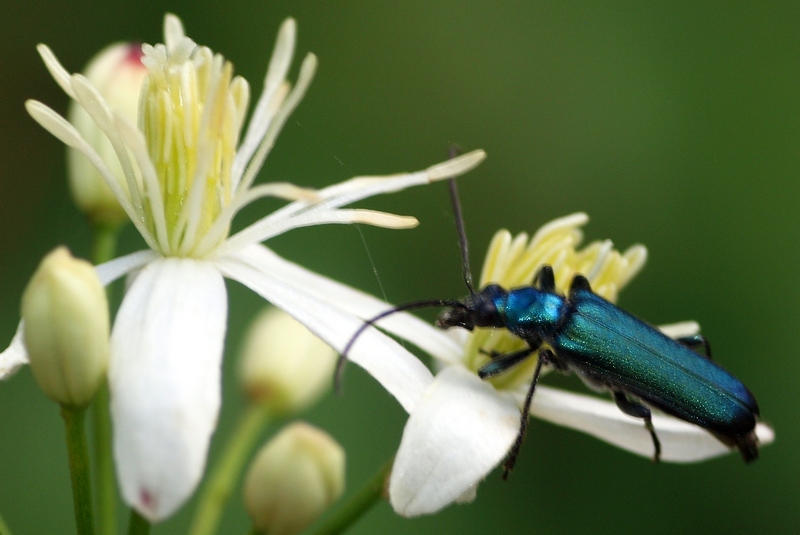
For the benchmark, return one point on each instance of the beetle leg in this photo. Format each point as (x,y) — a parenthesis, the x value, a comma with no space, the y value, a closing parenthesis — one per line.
(544,279)
(502,362)
(511,458)
(631,408)
(694,341)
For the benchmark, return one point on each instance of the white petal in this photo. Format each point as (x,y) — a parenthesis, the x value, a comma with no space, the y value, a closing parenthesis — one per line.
(15,354)
(681,442)
(114,269)
(439,344)
(262,115)
(461,429)
(400,372)
(57,71)
(98,109)
(282,190)
(361,187)
(307,69)
(265,229)
(164,378)
(134,140)
(67,134)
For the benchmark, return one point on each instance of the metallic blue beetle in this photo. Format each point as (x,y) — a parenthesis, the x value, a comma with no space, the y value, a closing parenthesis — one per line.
(609,349)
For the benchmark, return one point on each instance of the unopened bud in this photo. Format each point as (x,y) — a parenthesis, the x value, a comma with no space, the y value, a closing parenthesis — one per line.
(283,364)
(117,73)
(293,479)
(65,312)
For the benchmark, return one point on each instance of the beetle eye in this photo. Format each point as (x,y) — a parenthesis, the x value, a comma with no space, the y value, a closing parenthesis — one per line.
(485,314)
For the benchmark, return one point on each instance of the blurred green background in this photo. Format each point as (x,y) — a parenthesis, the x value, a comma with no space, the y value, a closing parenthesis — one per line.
(674,124)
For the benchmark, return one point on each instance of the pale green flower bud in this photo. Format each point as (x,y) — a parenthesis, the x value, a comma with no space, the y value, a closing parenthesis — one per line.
(283,364)
(65,312)
(117,73)
(293,479)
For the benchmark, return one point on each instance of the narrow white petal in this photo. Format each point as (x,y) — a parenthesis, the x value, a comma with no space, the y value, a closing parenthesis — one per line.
(681,442)
(57,71)
(96,106)
(164,378)
(15,354)
(134,140)
(460,430)
(264,111)
(400,372)
(433,341)
(281,190)
(358,188)
(67,134)
(114,269)
(456,166)
(307,70)
(265,229)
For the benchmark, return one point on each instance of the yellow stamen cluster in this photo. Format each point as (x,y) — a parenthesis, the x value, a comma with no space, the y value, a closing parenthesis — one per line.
(513,261)
(191,113)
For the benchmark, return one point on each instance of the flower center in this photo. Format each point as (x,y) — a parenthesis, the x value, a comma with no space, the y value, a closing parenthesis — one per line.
(191,112)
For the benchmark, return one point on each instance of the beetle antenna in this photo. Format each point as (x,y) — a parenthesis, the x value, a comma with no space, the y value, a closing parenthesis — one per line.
(399,308)
(462,234)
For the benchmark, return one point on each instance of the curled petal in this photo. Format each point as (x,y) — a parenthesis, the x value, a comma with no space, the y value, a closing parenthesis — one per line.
(681,442)
(400,372)
(164,379)
(461,429)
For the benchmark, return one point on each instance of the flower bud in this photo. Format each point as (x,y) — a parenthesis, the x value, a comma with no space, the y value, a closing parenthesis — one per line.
(283,364)
(66,328)
(293,479)
(117,73)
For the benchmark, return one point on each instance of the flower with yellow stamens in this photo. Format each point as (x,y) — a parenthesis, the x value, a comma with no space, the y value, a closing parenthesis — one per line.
(194,175)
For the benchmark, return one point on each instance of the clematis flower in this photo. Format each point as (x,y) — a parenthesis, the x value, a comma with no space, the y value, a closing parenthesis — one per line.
(461,427)
(167,339)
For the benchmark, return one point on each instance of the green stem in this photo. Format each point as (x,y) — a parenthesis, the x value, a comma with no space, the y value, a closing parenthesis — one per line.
(4,529)
(104,245)
(360,503)
(78,452)
(138,525)
(104,464)
(228,469)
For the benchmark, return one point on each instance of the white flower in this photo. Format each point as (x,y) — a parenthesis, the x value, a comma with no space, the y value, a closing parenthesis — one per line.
(167,340)
(461,427)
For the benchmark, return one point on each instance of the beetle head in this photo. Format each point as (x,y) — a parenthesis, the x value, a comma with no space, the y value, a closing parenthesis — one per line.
(477,310)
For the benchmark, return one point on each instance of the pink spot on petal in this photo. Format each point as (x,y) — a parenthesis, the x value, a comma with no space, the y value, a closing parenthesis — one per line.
(146,499)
